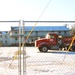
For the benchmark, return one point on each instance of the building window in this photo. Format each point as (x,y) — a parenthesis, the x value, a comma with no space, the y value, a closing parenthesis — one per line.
(5,41)
(52,31)
(65,32)
(59,32)
(15,32)
(6,36)
(16,39)
(24,32)
(0,41)
(0,36)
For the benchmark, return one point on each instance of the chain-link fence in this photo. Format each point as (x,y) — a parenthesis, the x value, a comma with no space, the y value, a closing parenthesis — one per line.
(20,56)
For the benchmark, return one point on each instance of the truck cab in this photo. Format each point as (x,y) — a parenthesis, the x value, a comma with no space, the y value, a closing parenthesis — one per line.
(45,44)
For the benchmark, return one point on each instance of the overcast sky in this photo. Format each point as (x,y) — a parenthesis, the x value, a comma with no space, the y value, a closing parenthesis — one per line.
(31,10)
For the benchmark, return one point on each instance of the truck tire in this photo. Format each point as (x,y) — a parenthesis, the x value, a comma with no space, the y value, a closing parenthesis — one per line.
(43,49)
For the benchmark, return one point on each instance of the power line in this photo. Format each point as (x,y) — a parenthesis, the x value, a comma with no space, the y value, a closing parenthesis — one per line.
(44,9)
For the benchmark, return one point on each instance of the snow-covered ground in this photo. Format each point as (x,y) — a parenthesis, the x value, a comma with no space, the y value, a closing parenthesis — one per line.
(37,63)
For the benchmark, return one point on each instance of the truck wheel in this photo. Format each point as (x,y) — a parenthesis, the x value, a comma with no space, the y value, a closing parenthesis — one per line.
(43,49)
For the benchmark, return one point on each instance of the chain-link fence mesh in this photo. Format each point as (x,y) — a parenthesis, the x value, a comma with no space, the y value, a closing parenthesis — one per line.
(8,47)
(21,57)
(7,67)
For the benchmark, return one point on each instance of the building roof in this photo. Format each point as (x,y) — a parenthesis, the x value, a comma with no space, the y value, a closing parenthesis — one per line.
(44,28)
(3,32)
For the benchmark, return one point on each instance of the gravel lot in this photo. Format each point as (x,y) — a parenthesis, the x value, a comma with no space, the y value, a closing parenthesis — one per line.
(38,63)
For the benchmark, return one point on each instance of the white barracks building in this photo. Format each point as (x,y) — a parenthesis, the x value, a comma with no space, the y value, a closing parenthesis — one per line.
(9,38)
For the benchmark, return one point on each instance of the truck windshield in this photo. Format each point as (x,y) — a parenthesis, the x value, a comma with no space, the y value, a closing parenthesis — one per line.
(49,36)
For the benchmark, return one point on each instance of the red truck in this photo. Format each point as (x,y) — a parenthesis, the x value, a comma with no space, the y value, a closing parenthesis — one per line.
(52,40)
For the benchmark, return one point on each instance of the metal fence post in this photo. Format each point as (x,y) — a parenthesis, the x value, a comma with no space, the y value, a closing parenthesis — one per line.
(19,51)
(24,51)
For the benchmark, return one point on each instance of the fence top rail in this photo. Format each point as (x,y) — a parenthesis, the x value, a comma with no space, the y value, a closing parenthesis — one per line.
(52,21)
(43,21)
(9,21)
